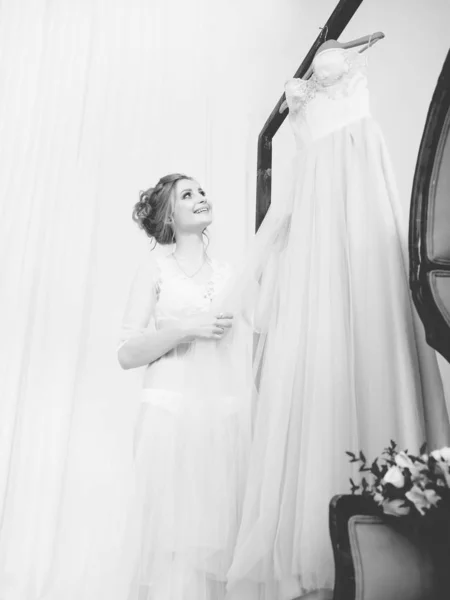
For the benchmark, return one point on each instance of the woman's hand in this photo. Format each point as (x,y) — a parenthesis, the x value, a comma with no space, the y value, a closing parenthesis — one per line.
(207,326)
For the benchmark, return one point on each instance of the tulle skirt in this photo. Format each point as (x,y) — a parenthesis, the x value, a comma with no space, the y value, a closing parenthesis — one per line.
(191,456)
(341,363)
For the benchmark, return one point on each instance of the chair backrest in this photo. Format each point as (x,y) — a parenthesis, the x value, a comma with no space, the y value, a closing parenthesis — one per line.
(390,563)
(429,228)
(389,558)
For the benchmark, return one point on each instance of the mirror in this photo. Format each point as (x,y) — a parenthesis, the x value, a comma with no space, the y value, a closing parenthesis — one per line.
(429,226)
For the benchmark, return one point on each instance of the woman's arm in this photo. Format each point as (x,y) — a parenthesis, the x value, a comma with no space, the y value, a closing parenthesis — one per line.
(151,345)
(140,344)
(145,349)
(135,338)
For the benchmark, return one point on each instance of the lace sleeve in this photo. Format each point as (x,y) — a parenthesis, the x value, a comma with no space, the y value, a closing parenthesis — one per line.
(141,302)
(297,91)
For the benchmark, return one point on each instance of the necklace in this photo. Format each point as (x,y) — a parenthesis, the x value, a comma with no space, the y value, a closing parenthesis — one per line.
(196,272)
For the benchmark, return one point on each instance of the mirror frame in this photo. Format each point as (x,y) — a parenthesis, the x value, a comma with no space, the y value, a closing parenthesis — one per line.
(423,268)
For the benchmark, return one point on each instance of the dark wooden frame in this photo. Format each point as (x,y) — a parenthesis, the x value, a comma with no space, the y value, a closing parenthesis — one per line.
(434,536)
(341,509)
(421,265)
(333,28)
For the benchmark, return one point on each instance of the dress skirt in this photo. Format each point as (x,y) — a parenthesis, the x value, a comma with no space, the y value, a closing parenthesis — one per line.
(191,455)
(342,363)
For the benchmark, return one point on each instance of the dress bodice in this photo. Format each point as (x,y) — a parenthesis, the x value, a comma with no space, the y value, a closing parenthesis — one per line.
(335,95)
(161,294)
(179,296)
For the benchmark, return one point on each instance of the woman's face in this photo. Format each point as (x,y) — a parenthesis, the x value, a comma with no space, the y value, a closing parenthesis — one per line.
(192,210)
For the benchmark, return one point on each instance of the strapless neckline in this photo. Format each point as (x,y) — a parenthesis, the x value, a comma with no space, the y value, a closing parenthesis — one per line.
(335,94)
(317,57)
(336,49)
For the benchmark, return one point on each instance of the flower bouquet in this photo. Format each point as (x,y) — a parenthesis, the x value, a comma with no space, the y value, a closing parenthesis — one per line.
(412,493)
(404,484)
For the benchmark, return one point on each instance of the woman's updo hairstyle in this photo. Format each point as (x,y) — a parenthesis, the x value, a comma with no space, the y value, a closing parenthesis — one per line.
(153,212)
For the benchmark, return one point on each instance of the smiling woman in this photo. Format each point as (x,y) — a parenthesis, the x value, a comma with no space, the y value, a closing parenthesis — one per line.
(176,198)
(174,211)
(193,427)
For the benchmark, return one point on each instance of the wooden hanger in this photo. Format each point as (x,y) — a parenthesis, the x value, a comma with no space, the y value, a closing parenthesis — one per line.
(367,41)
(370,40)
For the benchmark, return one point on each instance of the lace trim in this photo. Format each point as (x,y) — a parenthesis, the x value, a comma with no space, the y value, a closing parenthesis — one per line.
(300,92)
(219,272)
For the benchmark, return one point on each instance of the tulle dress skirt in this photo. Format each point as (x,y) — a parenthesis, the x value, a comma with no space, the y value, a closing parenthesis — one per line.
(191,454)
(341,364)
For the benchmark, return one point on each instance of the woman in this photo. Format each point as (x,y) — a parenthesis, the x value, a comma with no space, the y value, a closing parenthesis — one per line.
(193,427)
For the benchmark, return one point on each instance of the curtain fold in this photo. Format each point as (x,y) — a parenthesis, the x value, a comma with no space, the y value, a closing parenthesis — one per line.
(98,99)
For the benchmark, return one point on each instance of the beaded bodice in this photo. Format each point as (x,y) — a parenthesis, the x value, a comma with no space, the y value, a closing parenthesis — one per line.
(335,95)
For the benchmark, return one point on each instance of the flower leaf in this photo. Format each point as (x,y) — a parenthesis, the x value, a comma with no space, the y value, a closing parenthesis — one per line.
(354,487)
(375,469)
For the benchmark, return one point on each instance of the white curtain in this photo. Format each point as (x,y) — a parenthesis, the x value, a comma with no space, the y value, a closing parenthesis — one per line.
(98,99)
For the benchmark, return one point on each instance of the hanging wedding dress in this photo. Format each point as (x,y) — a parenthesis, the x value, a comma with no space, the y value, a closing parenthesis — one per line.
(341,363)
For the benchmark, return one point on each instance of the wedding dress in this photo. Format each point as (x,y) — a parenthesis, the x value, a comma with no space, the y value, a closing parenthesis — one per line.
(342,362)
(191,444)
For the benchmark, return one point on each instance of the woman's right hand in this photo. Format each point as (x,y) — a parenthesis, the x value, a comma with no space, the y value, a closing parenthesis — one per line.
(208,326)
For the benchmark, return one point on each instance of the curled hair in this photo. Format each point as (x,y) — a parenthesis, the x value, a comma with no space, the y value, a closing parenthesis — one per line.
(153,212)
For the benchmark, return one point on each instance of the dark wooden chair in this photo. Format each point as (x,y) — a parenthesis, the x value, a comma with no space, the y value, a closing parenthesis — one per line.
(382,558)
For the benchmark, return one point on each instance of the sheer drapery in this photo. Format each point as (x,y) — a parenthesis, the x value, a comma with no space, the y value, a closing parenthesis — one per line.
(98,99)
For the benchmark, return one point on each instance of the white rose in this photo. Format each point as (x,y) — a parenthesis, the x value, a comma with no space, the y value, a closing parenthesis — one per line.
(423,500)
(395,477)
(443,468)
(397,508)
(432,497)
(415,468)
(442,458)
(436,454)
(403,461)
(379,499)
(445,454)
